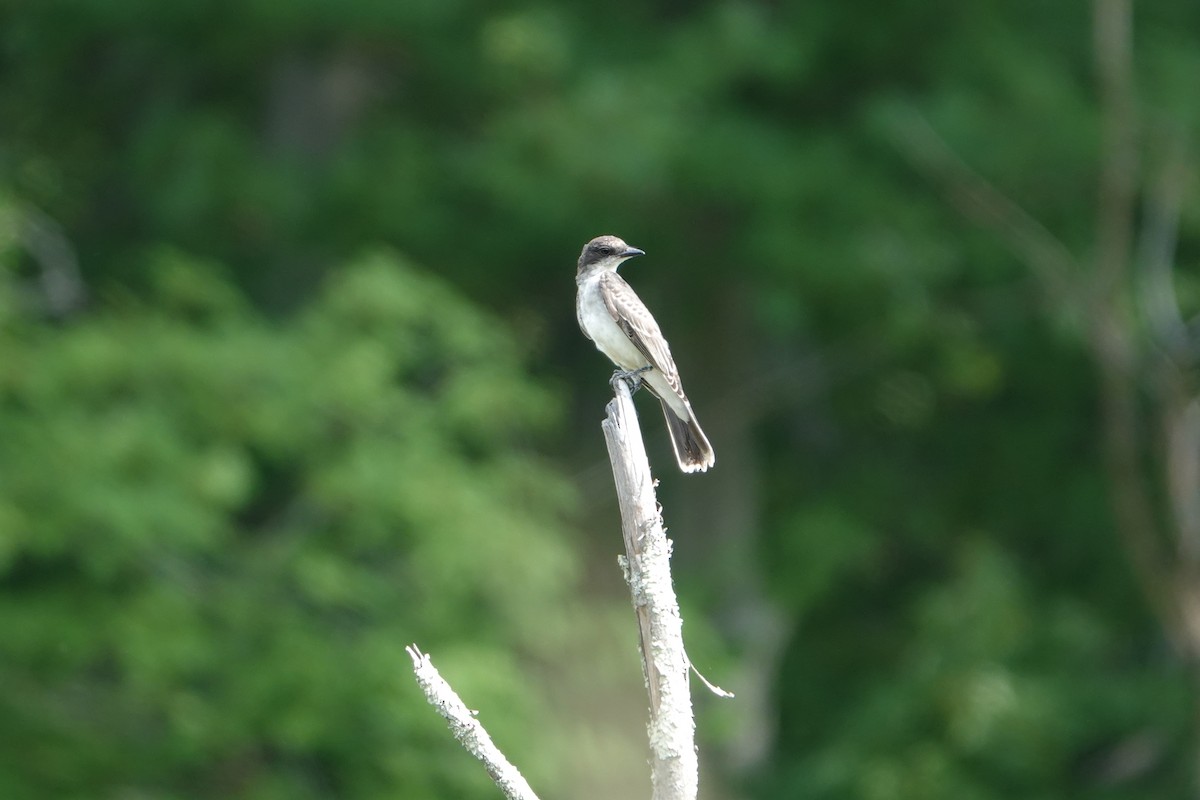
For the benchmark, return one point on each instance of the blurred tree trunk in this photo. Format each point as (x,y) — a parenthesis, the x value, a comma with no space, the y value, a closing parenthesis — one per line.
(1143,365)
(1144,352)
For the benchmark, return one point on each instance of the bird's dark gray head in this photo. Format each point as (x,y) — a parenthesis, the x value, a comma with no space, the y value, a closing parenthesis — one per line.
(605,252)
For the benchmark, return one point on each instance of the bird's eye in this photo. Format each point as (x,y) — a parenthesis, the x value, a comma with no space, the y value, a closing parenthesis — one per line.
(605,250)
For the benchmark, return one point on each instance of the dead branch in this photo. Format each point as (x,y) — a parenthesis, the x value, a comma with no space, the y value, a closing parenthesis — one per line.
(469,732)
(673,766)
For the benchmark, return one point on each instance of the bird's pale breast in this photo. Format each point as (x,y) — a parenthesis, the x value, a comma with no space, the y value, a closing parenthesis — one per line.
(599,326)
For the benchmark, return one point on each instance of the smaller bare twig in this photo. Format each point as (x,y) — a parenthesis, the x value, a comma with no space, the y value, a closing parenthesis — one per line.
(712,687)
(469,732)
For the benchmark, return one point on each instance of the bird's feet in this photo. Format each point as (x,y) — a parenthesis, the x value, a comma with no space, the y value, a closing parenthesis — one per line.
(633,377)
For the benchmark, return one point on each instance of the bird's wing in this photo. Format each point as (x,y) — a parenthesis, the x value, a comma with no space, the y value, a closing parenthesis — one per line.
(635,320)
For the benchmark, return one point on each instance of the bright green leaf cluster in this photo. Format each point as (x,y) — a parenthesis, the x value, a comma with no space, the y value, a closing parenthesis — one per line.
(218,532)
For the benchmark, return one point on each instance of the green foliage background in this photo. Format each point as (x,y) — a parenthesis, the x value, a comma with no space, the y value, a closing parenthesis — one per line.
(326,397)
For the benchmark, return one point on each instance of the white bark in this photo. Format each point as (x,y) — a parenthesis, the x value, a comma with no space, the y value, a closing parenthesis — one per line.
(673,764)
(467,729)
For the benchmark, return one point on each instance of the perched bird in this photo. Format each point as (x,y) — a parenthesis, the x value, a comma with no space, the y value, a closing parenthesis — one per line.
(616,320)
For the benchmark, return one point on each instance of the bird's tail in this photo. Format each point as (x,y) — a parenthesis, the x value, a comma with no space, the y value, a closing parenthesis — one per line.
(692,450)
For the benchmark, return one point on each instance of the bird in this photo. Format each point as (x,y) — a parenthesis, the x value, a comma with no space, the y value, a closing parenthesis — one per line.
(616,320)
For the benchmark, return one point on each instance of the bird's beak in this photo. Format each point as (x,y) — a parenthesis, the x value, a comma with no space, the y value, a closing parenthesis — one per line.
(631,252)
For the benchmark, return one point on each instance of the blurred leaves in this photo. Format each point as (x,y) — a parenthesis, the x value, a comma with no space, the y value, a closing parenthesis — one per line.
(219,532)
(979,694)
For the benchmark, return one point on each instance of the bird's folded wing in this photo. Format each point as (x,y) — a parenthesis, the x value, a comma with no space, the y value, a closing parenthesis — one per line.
(635,320)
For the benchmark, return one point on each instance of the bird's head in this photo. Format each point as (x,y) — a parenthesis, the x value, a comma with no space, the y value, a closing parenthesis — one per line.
(606,253)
